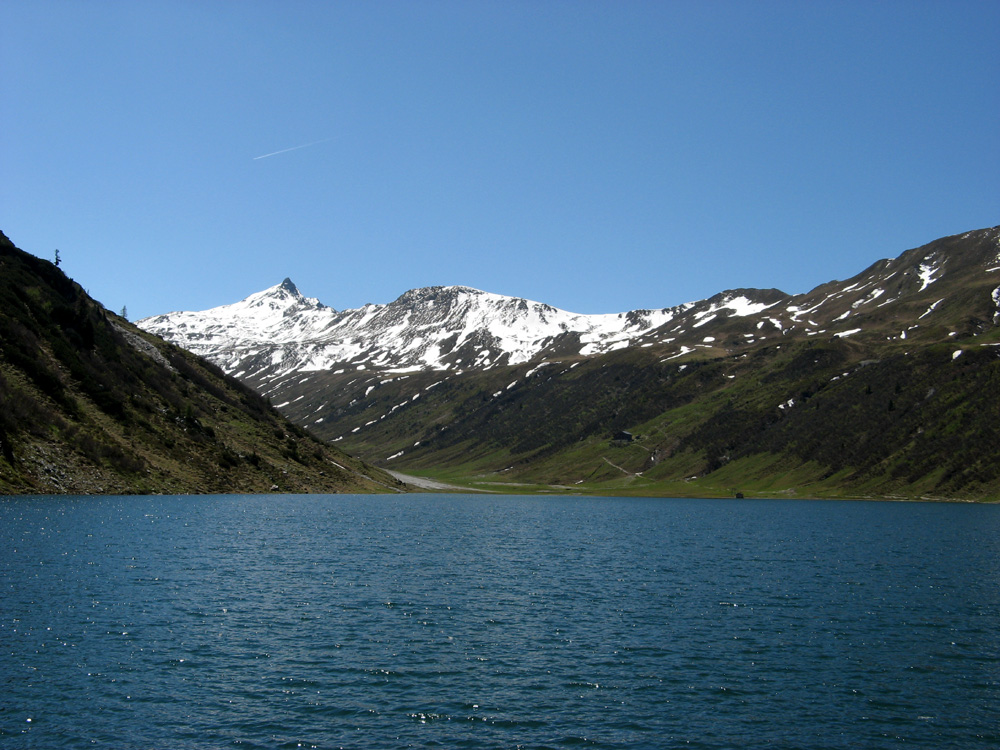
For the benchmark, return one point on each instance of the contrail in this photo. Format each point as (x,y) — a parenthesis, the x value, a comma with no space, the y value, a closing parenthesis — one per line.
(293,148)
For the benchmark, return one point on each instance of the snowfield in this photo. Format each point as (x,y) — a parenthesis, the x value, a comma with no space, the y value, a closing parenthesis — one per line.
(279,333)
(279,330)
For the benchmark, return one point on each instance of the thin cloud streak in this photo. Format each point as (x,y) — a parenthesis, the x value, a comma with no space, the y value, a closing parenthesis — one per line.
(293,148)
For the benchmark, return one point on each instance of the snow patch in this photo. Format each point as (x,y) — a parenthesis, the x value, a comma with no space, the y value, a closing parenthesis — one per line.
(845,334)
(535,369)
(684,350)
(742,306)
(931,308)
(927,273)
(868,299)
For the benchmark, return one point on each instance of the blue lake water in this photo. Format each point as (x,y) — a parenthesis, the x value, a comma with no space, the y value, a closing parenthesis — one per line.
(497,622)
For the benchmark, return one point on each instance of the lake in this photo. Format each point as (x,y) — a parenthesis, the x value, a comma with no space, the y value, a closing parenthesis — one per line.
(458,621)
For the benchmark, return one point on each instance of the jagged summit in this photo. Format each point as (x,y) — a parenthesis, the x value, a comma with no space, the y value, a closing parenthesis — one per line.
(278,331)
(451,375)
(435,295)
(278,335)
(438,291)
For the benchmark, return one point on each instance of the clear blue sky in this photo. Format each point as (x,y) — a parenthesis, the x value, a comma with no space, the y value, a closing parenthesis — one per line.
(597,156)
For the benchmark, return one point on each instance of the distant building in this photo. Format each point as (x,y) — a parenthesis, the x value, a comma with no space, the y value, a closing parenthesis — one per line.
(623,436)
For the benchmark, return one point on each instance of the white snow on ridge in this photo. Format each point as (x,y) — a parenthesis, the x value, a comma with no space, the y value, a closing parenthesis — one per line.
(738,307)
(279,332)
(418,331)
(742,306)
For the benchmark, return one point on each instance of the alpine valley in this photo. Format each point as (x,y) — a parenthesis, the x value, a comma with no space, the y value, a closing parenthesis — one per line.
(883,385)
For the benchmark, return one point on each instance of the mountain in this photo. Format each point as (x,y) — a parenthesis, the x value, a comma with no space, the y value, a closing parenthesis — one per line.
(466,383)
(91,404)
(279,332)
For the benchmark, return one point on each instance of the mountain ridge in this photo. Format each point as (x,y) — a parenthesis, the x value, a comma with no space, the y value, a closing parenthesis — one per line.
(456,328)
(423,384)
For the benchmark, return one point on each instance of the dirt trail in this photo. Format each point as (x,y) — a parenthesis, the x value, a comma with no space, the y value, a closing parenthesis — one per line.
(429,484)
(623,471)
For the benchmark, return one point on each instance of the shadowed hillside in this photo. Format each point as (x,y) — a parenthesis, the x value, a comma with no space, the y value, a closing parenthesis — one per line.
(91,404)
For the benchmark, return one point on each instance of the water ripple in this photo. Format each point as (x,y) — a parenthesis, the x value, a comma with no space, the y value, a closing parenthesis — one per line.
(451,621)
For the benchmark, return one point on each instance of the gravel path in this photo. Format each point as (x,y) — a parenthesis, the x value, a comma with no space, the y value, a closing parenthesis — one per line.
(426,484)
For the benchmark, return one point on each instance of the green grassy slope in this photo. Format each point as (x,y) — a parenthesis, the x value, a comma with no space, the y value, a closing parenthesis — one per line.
(825,418)
(883,385)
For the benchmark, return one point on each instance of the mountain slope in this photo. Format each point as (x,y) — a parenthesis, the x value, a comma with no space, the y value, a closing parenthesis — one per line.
(89,403)
(705,386)
(278,331)
(810,418)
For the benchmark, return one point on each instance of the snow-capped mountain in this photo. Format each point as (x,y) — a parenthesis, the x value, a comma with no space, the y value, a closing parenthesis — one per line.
(279,331)
(279,340)
(883,377)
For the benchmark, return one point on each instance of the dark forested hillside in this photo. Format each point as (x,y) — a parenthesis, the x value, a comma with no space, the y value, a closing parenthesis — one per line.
(91,404)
